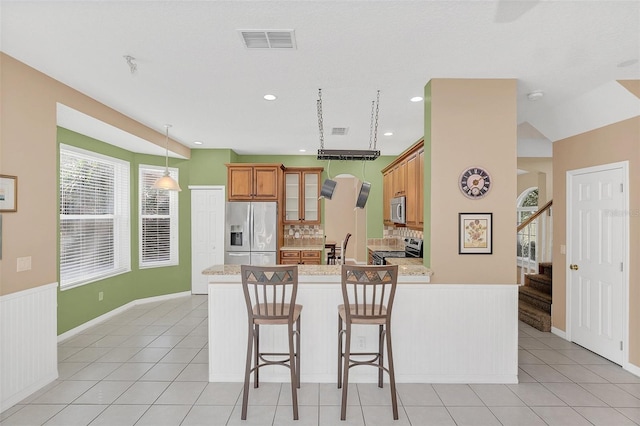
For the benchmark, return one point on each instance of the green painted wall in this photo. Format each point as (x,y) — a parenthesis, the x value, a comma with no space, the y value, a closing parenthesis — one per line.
(206,167)
(79,305)
(426,247)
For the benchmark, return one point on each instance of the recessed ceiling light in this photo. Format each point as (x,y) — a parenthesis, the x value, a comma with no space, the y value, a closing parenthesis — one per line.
(388,133)
(535,95)
(302,150)
(416,99)
(197,142)
(270,97)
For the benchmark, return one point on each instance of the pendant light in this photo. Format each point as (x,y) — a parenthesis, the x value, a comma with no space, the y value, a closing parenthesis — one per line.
(166,181)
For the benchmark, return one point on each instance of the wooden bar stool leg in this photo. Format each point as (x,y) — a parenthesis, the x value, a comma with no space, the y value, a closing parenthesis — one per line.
(247,374)
(380,354)
(256,360)
(297,351)
(345,380)
(392,374)
(294,378)
(340,332)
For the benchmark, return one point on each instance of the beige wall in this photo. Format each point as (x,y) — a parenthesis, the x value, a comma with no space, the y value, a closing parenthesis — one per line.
(340,218)
(473,122)
(28,150)
(613,143)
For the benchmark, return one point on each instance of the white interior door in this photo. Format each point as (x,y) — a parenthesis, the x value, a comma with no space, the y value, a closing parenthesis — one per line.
(596,256)
(207,233)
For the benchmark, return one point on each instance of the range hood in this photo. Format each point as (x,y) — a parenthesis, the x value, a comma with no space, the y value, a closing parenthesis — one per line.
(348,154)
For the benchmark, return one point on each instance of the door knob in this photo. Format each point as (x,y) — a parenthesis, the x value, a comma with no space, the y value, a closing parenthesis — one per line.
(573,267)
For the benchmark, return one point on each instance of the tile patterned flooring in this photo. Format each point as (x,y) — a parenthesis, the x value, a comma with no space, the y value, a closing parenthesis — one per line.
(148,366)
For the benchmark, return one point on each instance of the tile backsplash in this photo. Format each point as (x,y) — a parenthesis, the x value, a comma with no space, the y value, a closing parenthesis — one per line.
(303,235)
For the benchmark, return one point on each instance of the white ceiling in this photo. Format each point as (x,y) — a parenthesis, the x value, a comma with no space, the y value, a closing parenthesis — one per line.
(194,72)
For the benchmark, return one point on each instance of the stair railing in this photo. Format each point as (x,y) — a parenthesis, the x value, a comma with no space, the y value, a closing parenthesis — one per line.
(534,241)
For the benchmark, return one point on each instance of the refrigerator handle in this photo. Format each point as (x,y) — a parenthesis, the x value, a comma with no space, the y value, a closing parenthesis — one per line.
(251,242)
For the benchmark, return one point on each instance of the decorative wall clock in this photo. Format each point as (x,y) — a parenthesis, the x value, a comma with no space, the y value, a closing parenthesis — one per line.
(474,182)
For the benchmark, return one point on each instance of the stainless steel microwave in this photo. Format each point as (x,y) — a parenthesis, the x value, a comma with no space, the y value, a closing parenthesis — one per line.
(398,210)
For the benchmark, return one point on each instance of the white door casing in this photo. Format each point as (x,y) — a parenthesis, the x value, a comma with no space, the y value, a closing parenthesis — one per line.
(597,259)
(207,233)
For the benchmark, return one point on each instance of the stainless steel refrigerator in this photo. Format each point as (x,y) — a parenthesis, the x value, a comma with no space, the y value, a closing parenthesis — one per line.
(251,233)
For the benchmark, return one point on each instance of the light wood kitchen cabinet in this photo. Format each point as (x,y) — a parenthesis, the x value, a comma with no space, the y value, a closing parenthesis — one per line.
(399,173)
(412,190)
(301,195)
(387,192)
(255,182)
(420,188)
(300,257)
(405,177)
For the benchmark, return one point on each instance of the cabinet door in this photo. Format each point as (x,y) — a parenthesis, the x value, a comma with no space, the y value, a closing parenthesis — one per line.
(420,188)
(309,197)
(289,257)
(265,183)
(387,194)
(401,175)
(310,257)
(291,197)
(240,182)
(412,193)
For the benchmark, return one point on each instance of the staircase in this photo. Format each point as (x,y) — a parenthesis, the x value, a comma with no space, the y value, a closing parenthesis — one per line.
(534,298)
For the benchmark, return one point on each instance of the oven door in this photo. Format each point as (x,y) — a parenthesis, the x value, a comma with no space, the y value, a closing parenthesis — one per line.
(377,259)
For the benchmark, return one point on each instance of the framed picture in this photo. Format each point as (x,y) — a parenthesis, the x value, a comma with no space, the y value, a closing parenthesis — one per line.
(8,193)
(475,233)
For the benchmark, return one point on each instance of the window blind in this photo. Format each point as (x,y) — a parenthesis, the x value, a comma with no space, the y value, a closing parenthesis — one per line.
(158,219)
(94,217)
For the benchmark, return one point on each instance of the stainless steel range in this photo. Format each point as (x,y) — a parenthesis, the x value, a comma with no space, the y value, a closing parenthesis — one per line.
(413,248)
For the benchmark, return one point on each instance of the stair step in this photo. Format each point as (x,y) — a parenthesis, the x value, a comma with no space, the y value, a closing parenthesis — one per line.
(536,318)
(545,268)
(539,282)
(535,298)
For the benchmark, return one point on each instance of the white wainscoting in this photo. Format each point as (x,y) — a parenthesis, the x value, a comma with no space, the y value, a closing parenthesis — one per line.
(453,333)
(28,343)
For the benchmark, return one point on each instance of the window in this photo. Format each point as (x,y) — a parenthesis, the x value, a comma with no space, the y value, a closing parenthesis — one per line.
(158,219)
(527,237)
(94,217)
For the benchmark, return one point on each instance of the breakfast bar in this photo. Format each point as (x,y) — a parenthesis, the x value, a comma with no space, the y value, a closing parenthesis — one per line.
(442,333)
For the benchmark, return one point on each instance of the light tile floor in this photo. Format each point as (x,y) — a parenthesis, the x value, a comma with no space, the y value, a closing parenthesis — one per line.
(148,366)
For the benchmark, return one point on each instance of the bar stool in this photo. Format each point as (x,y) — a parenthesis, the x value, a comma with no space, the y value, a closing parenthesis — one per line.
(270,293)
(368,292)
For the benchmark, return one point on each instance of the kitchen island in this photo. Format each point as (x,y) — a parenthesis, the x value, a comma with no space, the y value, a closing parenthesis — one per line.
(442,333)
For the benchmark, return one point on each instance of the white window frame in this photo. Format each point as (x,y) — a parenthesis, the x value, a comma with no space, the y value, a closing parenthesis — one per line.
(520,209)
(173,249)
(84,273)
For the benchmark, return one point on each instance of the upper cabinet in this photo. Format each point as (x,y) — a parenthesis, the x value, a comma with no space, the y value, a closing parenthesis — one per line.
(405,178)
(301,192)
(255,182)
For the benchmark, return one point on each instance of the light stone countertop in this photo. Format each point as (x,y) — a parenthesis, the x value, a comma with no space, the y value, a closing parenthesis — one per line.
(381,247)
(408,270)
(403,261)
(306,248)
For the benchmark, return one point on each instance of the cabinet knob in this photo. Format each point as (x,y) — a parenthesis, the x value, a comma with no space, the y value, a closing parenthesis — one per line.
(573,267)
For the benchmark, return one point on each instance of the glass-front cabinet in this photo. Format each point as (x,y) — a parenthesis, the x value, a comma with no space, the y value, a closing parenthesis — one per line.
(301,192)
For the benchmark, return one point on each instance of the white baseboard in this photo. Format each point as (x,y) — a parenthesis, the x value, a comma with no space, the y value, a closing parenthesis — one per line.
(82,327)
(559,333)
(633,369)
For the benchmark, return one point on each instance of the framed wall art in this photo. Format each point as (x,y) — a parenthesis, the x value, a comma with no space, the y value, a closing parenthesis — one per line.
(8,193)
(475,233)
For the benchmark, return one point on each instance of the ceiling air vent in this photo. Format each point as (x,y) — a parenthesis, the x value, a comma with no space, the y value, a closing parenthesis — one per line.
(339,131)
(268,39)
